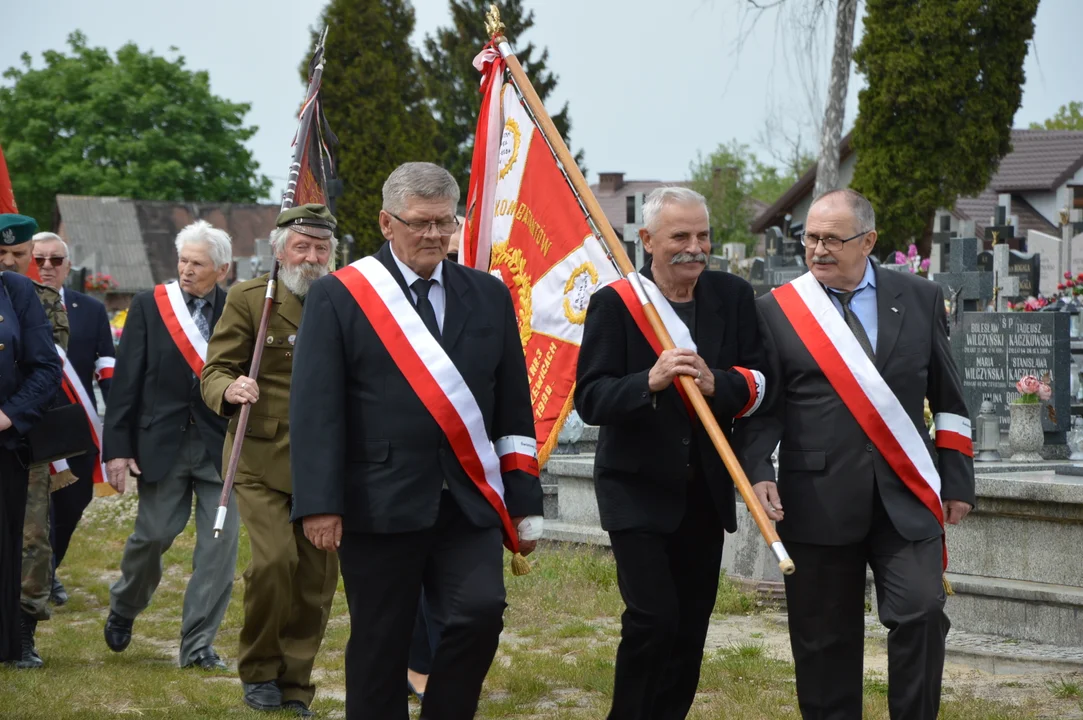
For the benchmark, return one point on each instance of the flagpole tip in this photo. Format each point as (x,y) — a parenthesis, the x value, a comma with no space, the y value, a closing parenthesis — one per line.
(493,26)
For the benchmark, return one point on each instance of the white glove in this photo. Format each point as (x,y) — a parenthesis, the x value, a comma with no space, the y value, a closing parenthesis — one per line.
(530,528)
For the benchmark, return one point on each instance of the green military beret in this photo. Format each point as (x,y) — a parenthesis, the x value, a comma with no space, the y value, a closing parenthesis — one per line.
(16,229)
(310,219)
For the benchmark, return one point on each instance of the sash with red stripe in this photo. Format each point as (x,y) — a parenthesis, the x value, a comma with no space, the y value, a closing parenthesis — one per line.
(859,384)
(635,298)
(73,388)
(440,386)
(182,328)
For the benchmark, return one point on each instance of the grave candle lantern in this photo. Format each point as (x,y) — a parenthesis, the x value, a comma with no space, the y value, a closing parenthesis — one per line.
(988,431)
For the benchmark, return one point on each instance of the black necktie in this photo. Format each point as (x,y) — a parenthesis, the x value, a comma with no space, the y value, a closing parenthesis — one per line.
(421,286)
(854,323)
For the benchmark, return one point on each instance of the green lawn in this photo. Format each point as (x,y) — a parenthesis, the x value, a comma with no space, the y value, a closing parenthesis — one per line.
(555,660)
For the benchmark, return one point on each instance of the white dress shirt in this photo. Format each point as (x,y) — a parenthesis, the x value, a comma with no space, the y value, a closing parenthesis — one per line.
(436,292)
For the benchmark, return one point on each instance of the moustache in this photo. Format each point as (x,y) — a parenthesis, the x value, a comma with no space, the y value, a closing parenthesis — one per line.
(824,260)
(683,257)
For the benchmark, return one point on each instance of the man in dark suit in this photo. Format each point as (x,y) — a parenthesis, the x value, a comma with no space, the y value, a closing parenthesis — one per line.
(396,492)
(91,353)
(158,428)
(663,493)
(857,489)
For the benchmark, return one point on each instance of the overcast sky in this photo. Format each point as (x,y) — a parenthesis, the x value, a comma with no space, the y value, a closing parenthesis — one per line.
(649,83)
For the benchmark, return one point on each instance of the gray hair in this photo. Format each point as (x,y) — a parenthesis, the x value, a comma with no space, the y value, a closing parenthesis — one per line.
(218,241)
(864,215)
(667,195)
(280,234)
(50,237)
(421,180)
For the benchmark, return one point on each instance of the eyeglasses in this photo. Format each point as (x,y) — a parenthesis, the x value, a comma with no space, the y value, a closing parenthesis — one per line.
(420,227)
(52,261)
(832,244)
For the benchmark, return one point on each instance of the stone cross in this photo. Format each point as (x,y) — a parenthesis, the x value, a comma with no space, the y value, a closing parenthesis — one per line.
(965,286)
(1005,285)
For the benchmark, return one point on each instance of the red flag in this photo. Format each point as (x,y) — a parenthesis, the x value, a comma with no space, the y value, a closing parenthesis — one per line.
(7,194)
(7,205)
(526,225)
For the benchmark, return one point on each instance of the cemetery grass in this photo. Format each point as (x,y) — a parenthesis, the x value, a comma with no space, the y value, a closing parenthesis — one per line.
(555,659)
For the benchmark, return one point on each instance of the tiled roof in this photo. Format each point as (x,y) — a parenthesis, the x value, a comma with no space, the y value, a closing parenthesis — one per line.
(1039,160)
(133,240)
(983,207)
(103,233)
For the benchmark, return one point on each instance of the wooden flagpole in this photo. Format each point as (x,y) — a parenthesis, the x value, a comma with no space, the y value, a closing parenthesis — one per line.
(624,265)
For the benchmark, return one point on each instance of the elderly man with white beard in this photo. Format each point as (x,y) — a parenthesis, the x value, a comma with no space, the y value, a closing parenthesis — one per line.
(289,584)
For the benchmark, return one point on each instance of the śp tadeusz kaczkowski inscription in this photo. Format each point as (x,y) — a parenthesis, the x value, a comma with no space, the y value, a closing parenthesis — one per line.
(994,350)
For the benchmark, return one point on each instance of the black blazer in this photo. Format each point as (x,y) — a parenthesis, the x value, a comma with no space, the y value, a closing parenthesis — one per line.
(362,444)
(644,453)
(827,467)
(90,338)
(154,394)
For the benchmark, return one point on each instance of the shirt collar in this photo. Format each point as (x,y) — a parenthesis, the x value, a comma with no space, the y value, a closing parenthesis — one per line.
(189,297)
(410,276)
(63,297)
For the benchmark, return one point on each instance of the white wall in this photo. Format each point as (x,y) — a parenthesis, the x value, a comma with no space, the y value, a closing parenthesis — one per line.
(1045,202)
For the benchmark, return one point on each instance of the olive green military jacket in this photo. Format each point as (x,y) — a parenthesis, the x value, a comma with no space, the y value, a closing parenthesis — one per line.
(57,315)
(265,456)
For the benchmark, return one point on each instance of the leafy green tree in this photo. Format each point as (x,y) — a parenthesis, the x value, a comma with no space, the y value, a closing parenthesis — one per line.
(137,125)
(374,100)
(1068,117)
(944,82)
(729,177)
(451,81)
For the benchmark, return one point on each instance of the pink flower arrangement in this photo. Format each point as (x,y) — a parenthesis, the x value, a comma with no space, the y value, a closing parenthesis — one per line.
(914,262)
(1031,390)
(100,282)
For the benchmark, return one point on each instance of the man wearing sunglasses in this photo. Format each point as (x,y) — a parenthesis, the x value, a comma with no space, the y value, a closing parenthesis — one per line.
(852,353)
(92,356)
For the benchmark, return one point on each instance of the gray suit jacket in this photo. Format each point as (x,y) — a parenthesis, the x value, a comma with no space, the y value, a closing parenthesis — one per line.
(827,465)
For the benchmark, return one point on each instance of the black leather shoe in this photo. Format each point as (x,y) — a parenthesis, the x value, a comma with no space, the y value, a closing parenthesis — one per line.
(30,659)
(118,632)
(263,695)
(298,708)
(206,659)
(58,596)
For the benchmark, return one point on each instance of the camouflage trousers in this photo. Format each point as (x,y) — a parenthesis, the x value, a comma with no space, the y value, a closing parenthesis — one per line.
(37,551)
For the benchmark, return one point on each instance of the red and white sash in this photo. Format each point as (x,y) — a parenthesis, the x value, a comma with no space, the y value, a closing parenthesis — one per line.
(73,388)
(636,291)
(862,389)
(440,386)
(182,328)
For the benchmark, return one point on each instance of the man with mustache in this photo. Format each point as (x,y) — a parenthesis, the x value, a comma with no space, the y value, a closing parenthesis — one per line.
(289,584)
(663,493)
(852,353)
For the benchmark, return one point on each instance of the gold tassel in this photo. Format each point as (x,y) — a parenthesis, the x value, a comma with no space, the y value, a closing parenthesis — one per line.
(947,586)
(519,565)
(103,489)
(61,480)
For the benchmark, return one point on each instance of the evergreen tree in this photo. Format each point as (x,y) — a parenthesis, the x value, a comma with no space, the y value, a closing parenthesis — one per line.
(452,82)
(374,100)
(944,81)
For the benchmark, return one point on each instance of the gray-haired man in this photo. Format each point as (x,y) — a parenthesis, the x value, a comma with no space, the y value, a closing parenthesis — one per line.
(409,378)
(158,428)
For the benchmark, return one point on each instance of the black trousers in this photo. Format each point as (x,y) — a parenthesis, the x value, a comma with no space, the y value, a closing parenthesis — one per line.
(13,484)
(460,566)
(67,505)
(826,605)
(425,638)
(669,583)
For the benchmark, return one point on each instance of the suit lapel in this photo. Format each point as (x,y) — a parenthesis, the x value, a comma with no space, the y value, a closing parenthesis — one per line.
(457,305)
(889,315)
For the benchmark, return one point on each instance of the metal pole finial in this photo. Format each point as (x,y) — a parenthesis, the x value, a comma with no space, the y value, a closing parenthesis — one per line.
(493,26)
